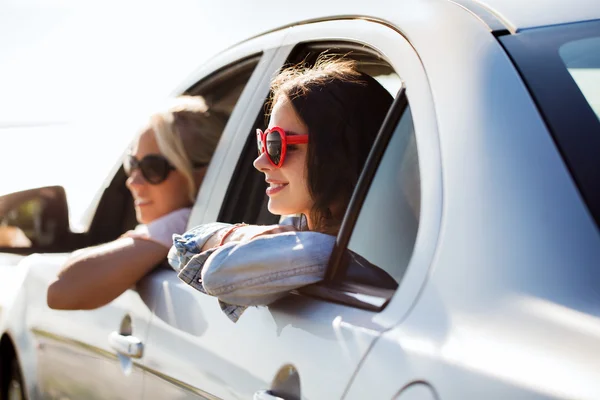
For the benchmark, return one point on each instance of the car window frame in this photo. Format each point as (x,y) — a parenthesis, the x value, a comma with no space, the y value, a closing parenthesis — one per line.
(243,183)
(221,171)
(399,53)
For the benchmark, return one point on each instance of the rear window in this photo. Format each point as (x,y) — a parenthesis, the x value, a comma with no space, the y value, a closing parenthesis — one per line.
(582,60)
(561,67)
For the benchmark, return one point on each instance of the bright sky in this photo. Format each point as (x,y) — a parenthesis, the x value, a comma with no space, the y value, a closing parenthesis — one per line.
(75,79)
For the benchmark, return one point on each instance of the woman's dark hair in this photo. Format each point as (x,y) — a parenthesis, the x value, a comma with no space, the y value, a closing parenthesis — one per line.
(343,110)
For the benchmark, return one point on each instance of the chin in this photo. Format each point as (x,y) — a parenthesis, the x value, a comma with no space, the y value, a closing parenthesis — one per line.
(274,208)
(280,209)
(142,218)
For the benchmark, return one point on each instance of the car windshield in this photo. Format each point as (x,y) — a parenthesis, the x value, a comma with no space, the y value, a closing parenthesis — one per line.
(561,67)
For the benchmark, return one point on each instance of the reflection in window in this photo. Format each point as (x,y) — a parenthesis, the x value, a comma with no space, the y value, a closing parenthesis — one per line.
(582,59)
(21,224)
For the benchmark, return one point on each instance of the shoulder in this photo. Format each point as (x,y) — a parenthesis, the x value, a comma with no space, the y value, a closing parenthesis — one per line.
(162,229)
(178,218)
(175,221)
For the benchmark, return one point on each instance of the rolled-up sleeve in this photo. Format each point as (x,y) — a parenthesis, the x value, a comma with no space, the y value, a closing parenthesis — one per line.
(186,246)
(265,269)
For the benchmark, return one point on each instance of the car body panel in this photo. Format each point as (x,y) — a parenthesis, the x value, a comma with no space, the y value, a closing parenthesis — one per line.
(510,306)
(70,349)
(204,349)
(13,305)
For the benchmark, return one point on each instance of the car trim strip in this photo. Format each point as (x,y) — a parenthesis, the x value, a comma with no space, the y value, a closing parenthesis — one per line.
(497,25)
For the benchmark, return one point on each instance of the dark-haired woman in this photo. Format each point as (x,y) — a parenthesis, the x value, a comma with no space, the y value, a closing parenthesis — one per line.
(323,122)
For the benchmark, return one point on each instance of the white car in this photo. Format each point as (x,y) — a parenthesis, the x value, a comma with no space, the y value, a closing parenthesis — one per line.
(481,198)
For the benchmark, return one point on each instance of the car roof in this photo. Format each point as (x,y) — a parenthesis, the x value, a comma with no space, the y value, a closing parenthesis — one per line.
(511,15)
(525,14)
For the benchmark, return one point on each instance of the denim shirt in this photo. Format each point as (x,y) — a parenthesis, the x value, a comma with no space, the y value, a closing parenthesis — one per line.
(257,272)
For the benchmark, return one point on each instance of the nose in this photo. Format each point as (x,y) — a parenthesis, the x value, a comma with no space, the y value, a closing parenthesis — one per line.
(135,179)
(262,164)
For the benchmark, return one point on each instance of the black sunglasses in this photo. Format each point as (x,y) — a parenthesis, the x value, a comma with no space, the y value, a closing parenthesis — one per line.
(154,167)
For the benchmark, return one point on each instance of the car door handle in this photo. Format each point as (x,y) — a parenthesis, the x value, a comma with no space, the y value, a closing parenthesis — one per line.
(266,395)
(126,345)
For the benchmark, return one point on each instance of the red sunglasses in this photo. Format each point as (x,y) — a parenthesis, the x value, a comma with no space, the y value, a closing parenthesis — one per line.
(274,142)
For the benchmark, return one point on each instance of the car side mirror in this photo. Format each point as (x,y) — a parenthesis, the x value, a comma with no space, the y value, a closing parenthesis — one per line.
(35,218)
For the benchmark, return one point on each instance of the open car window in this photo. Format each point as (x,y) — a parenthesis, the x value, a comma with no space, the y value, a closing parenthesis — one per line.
(221,89)
(385,217)
(246,199)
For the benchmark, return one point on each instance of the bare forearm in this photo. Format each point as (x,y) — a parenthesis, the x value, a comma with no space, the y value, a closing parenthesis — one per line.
(96,276)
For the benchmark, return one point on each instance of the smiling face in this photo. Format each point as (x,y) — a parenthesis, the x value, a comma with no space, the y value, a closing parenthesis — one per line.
(288,189)
(155,201)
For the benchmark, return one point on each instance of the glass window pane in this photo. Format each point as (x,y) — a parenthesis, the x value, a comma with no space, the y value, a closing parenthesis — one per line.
(582,59)
(386,228)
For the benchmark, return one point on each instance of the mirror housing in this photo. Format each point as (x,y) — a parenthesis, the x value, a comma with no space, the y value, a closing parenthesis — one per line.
(36,218)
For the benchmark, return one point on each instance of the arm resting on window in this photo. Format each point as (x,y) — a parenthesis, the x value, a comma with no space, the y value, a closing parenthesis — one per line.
(265,269)
(94,277)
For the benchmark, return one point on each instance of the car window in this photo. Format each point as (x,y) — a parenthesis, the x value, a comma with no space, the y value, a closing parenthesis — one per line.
(368,60)
(221,89)
(561,67)
(246,199)
(386,228)
(582,60)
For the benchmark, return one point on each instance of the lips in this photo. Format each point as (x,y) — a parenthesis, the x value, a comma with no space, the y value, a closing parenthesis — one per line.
(142,202)
(275,187)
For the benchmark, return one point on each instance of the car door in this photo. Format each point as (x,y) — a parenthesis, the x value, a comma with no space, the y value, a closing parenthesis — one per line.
(310,343)
(88,354)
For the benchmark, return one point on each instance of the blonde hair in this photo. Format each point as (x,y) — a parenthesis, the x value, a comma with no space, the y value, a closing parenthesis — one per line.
(187,134)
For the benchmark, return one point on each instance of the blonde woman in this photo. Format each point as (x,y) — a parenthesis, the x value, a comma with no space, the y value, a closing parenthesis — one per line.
(165,167)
